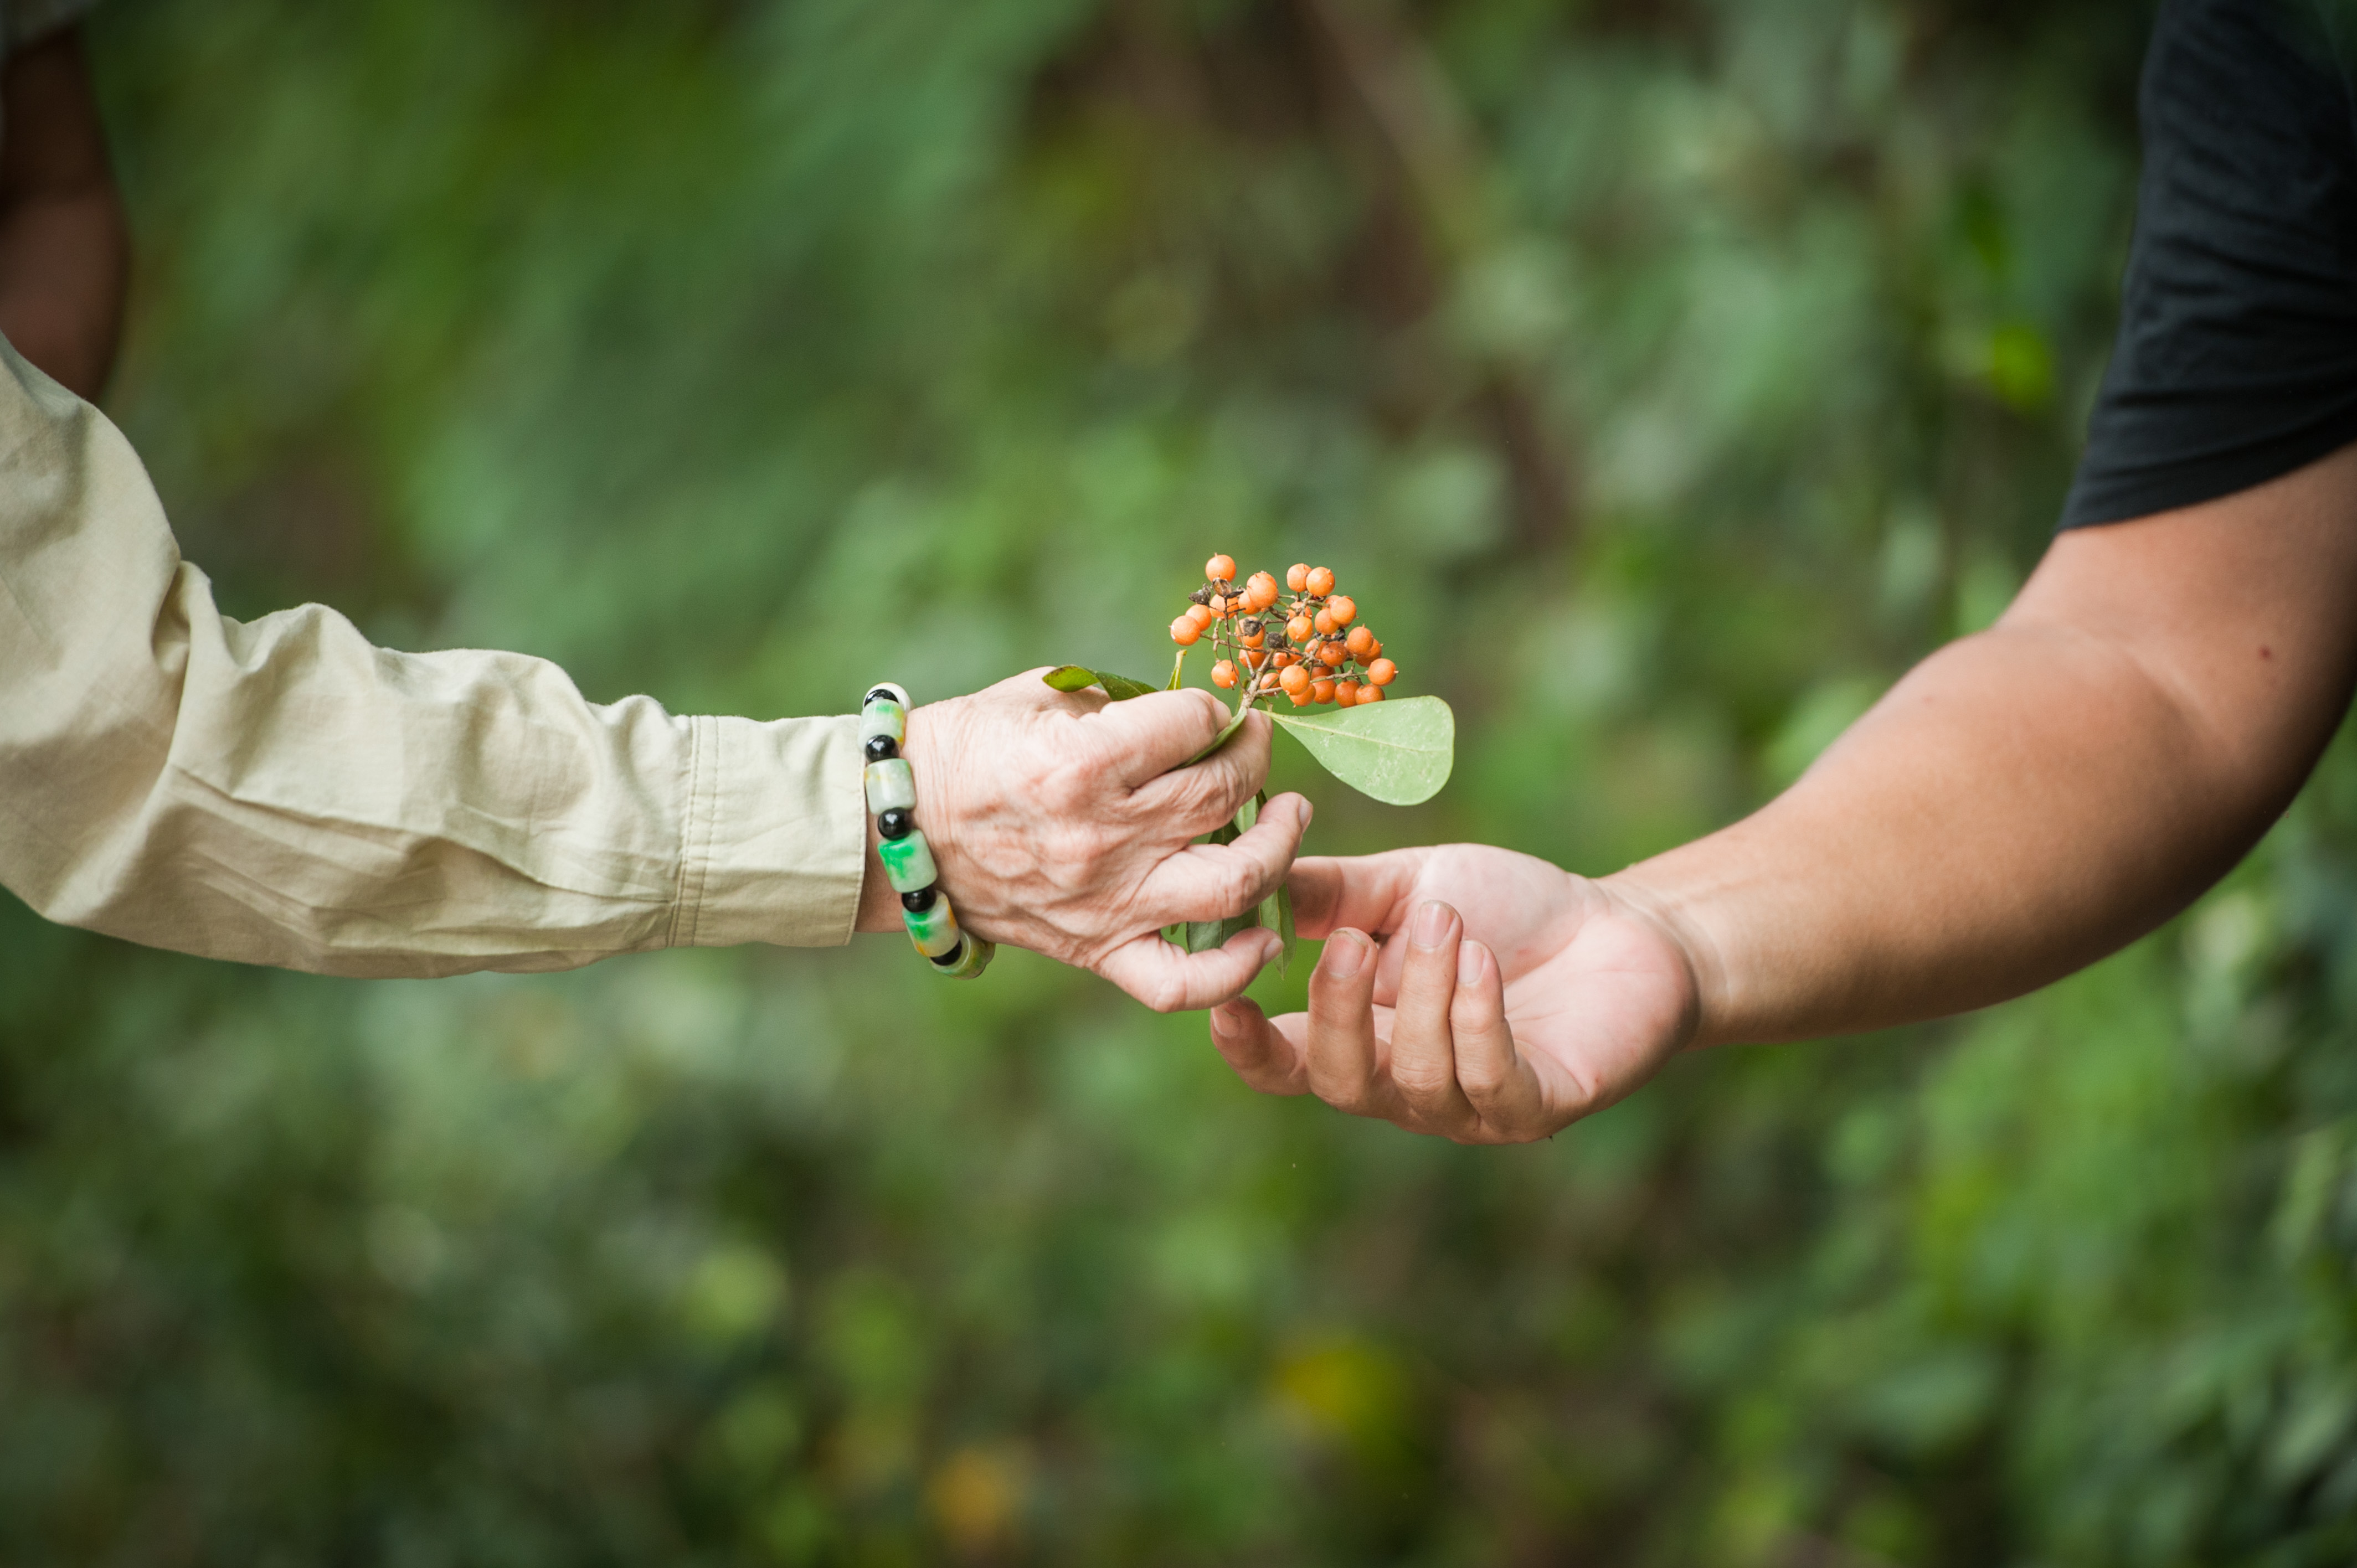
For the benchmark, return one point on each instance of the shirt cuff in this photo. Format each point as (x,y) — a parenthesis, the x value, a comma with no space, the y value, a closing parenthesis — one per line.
(775,833)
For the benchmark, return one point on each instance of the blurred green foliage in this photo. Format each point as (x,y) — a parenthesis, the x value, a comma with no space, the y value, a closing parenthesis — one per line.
(1665,376)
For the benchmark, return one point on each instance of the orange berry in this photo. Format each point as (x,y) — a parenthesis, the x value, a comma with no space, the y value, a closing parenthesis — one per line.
(1220,568)
(1223,673)
(1184,631)
(1382,672)
(1296,575)
(1254,638)
(1331,654)
(1370,695)
(1294,679)
(1298,629)
(1220,607)
(1345,691)
(1361,642)
(1256,658)
(1261,590)
(1322,623)
(1343,609)
(1321,691)
(1320,581)
(1374,648)
(1201,615)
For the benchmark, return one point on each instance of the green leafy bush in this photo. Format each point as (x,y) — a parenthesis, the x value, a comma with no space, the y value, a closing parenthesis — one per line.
(1671,375)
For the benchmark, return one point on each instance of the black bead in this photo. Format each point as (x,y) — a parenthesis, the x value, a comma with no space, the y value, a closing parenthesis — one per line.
(882,747)
(896,823)
(876,691)
(950,956)
(918,902)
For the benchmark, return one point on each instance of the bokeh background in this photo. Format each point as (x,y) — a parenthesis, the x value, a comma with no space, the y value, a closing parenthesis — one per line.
(1663,375)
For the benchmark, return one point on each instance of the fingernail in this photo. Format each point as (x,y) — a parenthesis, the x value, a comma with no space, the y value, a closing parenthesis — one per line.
(1224,1020)
(1307,811)
(1344,954)
(1469,963)
(1431,928)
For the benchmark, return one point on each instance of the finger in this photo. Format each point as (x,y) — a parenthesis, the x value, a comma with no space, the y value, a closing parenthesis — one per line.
(1213,881)
(1263,1053)
(1368,891)
(1340,1055)
(1424,1054)
(1199,798)
(1170,980)
(1148,736)
(1510,1102)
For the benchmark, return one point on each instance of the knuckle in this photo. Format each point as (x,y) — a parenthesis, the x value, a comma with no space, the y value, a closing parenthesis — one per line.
(1484,1083)
(1238,885)
(1348,1095)
(1423,1083)
(1203,795)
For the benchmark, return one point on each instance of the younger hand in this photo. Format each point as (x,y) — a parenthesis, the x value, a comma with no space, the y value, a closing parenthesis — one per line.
(1063,822)
(1508,997)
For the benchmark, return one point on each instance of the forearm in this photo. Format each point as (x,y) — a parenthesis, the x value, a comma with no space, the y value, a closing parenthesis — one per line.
(2029,799)
(62,266)
(64,250)
(2024,802)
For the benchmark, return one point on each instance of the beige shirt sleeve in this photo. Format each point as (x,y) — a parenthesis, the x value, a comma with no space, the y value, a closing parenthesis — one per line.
(282,792)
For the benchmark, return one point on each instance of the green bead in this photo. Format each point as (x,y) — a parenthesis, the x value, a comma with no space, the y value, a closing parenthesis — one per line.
(891,784)
(972,959)
(935,932)
(883,716)
(909,863)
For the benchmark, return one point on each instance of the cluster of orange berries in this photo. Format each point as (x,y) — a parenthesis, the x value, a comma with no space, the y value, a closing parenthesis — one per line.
(1304,640)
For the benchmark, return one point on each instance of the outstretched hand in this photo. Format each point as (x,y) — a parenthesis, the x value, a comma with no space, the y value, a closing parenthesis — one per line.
(1507,998)
(1064,822)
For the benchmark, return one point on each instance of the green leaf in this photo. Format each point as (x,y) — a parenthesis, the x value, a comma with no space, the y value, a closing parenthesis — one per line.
(1400,752)
(1275,911)
(1080,678)
(1178,671)
(1204,936)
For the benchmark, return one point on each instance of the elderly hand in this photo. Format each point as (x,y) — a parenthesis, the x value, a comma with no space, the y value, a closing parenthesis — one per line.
(1059,824)
(1508,997)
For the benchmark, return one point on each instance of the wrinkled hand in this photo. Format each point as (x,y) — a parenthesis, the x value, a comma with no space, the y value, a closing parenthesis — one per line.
(1059,825)
(1508,998)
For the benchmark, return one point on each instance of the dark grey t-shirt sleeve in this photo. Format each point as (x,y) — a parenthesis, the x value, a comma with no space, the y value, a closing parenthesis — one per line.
(2236,359)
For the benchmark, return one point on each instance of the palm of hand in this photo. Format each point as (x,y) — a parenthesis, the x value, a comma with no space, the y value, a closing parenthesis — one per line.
(1562,998)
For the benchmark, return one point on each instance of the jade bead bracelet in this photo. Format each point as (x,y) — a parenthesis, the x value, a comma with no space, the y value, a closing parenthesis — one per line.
(907,858)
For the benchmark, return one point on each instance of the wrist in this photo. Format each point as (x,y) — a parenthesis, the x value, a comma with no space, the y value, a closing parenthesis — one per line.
(1677,923)
(879,905)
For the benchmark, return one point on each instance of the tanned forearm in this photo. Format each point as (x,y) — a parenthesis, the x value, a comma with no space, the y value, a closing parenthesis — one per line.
(2035,797)
(63,246)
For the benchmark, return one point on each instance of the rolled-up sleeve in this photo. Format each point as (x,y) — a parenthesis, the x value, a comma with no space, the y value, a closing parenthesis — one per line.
(281,791)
